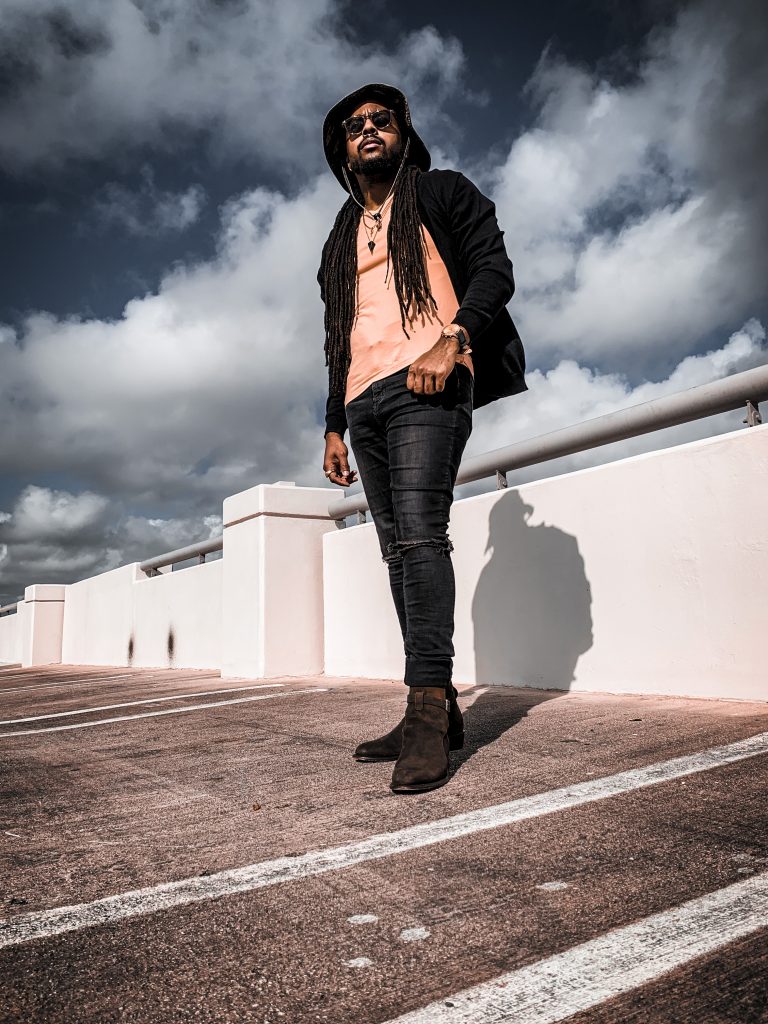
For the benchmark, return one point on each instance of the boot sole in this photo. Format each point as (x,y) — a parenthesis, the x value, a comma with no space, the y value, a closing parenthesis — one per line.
(421,787)
(456,743)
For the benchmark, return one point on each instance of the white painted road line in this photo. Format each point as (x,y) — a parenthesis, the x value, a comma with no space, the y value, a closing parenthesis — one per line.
(134,703)
(72,682)
(155,714)
(41,924)
(617,962)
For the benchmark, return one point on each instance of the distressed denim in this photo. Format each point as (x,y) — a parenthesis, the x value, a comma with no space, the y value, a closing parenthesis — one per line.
(407,448)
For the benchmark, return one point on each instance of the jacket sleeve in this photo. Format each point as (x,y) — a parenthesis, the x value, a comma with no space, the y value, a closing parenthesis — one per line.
(335,416)
(479,243)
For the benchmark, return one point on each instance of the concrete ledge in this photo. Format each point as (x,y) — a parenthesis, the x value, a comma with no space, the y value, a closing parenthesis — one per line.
(281,499)
(44,592)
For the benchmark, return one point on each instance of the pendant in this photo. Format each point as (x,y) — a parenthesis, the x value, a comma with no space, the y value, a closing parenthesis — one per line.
(371,246)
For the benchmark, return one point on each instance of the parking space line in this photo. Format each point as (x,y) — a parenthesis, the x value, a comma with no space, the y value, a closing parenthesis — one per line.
(623,959)
(155,714)
(70,682)
(134,703)
(40,924)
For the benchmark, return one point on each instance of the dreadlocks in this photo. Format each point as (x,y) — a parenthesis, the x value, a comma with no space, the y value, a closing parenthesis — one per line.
(406,251)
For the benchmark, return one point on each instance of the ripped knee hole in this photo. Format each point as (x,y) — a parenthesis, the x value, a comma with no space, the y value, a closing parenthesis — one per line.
(396,549)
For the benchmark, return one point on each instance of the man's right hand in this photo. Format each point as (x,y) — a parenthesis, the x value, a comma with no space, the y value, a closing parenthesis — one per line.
(336,464)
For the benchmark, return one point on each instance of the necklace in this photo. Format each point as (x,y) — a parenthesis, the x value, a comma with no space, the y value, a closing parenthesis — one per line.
(376,216)
(377,223)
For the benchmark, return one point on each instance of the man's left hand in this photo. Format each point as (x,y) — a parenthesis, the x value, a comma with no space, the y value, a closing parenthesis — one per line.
(428,373)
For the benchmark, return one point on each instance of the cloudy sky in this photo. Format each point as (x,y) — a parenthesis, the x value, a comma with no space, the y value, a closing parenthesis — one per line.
(165,199)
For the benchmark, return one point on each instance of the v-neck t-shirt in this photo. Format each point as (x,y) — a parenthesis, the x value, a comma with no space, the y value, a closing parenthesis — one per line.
(378,344)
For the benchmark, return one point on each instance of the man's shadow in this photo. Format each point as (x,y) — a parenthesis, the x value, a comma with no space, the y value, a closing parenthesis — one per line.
(532,620)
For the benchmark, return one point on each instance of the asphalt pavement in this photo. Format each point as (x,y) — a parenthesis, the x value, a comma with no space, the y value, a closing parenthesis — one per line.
(177,847)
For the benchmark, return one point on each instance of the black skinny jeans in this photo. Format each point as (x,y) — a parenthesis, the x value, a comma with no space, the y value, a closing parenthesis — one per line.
(408,448)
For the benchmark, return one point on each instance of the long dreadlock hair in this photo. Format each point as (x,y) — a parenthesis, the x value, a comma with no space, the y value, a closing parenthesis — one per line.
(407,254)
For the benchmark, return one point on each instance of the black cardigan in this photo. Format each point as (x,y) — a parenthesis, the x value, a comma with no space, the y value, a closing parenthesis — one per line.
(462,222)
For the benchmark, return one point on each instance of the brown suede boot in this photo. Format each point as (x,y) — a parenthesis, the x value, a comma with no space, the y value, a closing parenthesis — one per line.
(387,748)
(423,761)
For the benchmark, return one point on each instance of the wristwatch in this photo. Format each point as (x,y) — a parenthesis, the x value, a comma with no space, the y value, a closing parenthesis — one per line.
(456,331)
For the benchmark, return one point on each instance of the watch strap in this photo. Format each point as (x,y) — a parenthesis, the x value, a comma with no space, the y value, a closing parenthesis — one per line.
(457,331)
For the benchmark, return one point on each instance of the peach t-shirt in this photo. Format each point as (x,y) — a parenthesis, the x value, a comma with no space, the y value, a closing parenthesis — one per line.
(378,345)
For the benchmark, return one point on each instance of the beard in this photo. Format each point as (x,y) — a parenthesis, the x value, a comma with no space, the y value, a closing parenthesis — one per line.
(378,168)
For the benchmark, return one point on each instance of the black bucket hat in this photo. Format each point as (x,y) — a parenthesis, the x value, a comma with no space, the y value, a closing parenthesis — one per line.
(334,139)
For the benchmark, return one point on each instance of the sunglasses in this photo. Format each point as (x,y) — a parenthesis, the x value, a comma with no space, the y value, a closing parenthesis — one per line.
(354,125)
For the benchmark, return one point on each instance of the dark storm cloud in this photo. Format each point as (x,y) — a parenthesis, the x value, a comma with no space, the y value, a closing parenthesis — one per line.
(108,75)
(59,537)
(147,209)
(734,137)
(31,39)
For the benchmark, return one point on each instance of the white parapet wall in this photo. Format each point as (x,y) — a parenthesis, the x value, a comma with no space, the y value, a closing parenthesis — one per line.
(647,575)
(272,587)
(256,612)
(10,637)
(32,636)
(177,618)
(124,617)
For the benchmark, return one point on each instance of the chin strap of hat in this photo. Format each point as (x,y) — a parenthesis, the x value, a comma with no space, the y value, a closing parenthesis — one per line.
(399,169)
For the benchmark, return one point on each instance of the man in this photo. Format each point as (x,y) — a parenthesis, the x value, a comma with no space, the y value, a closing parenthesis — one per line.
(413,273)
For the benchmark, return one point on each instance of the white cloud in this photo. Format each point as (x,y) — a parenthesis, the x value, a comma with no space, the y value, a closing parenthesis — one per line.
(223,366)
(148,210)
(43,514)
(634,232)
(258,75)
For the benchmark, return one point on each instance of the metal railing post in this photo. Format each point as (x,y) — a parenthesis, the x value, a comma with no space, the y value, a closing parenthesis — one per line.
(753,414)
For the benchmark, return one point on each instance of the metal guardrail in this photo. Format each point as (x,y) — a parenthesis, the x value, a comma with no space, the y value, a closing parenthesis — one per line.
(747,388)
(199,550)
(9,609)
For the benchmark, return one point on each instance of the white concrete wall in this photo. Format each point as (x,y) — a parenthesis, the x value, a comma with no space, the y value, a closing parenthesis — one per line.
(272,609)
(123,617)
(10,639)
(257,612)
(98,618)
(177,618)
(648,575)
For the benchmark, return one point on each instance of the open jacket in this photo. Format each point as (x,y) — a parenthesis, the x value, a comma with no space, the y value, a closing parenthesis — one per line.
(462,222)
